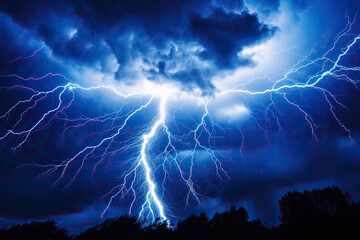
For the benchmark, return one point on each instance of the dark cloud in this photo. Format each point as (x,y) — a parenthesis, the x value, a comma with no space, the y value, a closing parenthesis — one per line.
(299,5)
(274,5)
(224,34)
(269,4)
(270,8)
(231,5)
(192,78)
(189,80)
(89,32)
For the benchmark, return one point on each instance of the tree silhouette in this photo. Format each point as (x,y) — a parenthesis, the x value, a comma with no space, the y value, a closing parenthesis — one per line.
(234,218)
(47,230)
(158,230)
(193,225)
(235,224)
(328,213)
(114,228)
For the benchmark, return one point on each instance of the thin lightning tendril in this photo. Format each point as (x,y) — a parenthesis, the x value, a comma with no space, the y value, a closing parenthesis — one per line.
(142,167)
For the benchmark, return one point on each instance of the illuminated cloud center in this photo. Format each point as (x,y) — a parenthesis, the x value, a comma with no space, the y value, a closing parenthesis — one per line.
(232,113)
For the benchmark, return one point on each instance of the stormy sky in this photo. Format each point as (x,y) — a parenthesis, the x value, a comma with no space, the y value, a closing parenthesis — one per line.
(194,52)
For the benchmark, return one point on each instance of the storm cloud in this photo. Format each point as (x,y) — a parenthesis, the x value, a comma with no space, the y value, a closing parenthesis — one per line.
(203,34)
(266,142)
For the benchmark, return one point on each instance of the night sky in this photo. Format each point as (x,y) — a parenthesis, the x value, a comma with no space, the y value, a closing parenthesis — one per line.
(166,108)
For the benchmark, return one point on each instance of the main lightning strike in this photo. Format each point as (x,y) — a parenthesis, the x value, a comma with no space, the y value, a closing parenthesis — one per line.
(151,196)
(142,165)
(152,187)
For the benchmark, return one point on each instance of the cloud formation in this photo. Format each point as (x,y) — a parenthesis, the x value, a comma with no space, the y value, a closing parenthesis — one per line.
(156,39)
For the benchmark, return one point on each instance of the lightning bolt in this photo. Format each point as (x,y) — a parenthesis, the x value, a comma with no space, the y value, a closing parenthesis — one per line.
(139,180)
(151,195)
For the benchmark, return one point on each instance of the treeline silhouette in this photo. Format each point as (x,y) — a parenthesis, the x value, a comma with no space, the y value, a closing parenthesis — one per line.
(328,213)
